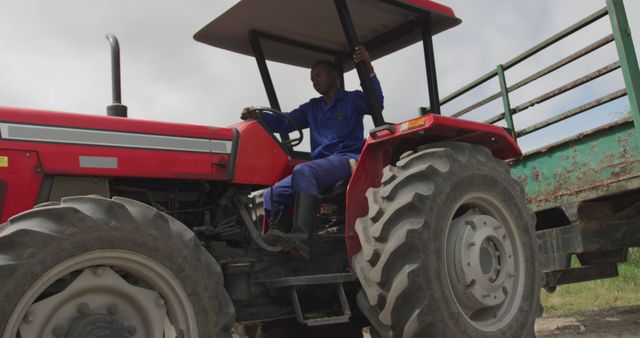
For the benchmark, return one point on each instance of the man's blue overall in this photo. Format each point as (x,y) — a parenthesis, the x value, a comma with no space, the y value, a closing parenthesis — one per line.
(336,136)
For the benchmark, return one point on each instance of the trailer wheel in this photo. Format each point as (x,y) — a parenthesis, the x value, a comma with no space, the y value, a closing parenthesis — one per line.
(448,248)
(107,267)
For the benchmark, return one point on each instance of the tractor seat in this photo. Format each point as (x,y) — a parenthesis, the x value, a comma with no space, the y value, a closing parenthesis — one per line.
(336,193)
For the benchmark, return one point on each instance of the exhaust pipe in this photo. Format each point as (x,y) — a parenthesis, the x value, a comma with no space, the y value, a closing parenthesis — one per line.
(116,108)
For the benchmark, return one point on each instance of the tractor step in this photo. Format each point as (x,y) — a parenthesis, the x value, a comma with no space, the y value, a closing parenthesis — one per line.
(342,318)
(327,279)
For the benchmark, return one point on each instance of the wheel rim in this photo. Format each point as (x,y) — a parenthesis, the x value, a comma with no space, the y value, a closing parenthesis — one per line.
(484,262)
(162,305)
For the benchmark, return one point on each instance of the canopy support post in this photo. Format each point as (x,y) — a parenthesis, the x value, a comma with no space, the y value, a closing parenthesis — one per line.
(265,75)
(264,71)
(430,64)
(363,72)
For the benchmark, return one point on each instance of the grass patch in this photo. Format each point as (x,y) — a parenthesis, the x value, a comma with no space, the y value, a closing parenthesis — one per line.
(623,290)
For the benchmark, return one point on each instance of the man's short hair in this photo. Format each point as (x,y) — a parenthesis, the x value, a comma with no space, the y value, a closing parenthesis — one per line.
(331,66)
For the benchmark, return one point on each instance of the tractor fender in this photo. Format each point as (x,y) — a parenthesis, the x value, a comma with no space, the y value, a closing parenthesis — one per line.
(385,145)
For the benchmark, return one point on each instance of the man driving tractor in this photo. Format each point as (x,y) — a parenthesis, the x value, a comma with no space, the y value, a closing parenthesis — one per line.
(336,125)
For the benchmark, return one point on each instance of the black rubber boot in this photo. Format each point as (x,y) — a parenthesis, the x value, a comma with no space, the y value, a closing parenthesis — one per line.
(279,225)
(304,218)
(304,225)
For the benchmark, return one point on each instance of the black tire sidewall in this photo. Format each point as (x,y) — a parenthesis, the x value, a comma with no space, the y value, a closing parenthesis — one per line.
(168,250)
(452,192)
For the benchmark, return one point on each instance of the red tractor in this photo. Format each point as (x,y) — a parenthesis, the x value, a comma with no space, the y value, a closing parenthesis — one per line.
(115,227)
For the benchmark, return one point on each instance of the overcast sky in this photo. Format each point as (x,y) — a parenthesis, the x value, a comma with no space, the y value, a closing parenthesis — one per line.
(54,56)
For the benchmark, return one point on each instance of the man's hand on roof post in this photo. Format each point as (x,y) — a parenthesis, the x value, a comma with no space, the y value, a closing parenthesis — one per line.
(361,54)
(248,113)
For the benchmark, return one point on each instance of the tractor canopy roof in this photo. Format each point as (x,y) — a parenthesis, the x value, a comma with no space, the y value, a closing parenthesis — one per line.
(300,32)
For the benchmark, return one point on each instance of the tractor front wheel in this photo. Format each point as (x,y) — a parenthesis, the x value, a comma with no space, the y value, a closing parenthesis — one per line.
(448,248)
(91,266)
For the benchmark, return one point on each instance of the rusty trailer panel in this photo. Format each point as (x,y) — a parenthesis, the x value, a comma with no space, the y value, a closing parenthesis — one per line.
(594,180)
(598,163)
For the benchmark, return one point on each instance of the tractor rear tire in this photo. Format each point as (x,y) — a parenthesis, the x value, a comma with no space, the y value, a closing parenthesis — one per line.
(448,248)
(96,266)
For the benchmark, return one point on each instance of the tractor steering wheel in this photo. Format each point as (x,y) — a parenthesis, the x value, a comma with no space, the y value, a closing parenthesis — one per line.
(288,143)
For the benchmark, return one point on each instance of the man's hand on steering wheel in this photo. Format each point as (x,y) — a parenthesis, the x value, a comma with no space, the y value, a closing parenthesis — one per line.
(254,113)
(248,113)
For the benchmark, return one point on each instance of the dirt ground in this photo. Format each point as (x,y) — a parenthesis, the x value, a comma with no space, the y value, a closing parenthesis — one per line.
(619,322)
(622,322)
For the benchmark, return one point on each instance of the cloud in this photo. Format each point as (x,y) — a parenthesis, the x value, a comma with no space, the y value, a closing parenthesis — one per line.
(54,57)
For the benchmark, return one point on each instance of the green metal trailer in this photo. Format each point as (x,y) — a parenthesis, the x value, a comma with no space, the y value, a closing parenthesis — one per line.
(584,189)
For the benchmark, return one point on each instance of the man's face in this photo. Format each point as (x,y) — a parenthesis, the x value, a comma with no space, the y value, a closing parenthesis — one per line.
(323,79)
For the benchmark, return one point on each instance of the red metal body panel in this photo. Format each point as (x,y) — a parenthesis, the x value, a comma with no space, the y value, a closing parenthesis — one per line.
(260,159)
(379,151)
(62,159)
(100,122)
(20,182)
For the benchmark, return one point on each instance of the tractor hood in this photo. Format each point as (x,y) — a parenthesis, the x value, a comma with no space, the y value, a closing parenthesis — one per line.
(28,125)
